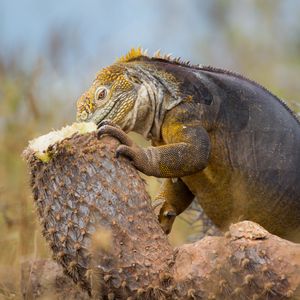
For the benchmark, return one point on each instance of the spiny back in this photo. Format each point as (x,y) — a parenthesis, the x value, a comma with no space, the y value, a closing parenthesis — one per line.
(139,54)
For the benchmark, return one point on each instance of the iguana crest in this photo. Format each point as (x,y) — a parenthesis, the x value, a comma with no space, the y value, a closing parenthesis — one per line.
(141,54)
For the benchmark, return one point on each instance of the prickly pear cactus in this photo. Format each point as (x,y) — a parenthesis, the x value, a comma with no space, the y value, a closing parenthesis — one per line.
(92,205)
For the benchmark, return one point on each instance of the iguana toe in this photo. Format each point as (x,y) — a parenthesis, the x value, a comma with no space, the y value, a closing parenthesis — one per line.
(116,132)
(126,151)
(107,122)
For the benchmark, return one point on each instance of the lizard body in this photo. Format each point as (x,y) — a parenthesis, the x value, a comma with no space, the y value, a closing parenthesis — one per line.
(216,135)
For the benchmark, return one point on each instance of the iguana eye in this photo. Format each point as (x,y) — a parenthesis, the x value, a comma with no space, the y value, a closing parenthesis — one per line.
(100,93)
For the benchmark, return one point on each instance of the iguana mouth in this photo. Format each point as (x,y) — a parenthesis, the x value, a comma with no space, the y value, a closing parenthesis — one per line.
(103,113)
(98,123)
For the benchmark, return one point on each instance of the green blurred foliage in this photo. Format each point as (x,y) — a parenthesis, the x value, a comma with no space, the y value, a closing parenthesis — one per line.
(29,107)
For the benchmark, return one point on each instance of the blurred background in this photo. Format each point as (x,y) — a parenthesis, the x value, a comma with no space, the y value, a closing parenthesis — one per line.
(51,50)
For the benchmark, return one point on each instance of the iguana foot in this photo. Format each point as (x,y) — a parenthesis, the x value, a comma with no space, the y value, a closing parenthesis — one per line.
(128,148)
(166,219)
(108,127)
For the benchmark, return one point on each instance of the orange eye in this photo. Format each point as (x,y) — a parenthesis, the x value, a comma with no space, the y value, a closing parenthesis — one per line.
(100,93)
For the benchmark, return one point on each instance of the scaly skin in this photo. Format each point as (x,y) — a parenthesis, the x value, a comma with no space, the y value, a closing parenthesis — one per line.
(226,139)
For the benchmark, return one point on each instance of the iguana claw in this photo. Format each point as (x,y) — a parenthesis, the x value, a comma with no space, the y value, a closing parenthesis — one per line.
(115,131)
(126,151)
(107,122)
(127,148)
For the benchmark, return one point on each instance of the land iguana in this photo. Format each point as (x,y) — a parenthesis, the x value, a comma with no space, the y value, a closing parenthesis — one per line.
(215,135)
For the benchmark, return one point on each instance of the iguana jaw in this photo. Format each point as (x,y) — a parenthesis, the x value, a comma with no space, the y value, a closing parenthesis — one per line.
(101,114)
(116,110)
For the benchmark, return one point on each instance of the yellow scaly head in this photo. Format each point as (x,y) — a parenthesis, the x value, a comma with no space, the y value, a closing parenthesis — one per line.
(111,96)
(133,93)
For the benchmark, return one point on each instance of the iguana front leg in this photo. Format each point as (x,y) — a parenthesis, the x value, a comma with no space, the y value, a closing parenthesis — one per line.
(186,150)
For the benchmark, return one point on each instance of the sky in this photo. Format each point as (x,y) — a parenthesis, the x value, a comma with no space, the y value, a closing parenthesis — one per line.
(95,32)
(111,28)
(115,25)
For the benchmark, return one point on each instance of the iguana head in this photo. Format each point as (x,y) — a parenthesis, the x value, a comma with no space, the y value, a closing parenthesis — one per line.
(111,96)
(133,93)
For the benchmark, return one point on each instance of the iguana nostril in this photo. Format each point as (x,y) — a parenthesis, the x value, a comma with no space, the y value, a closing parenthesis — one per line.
(83,115)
